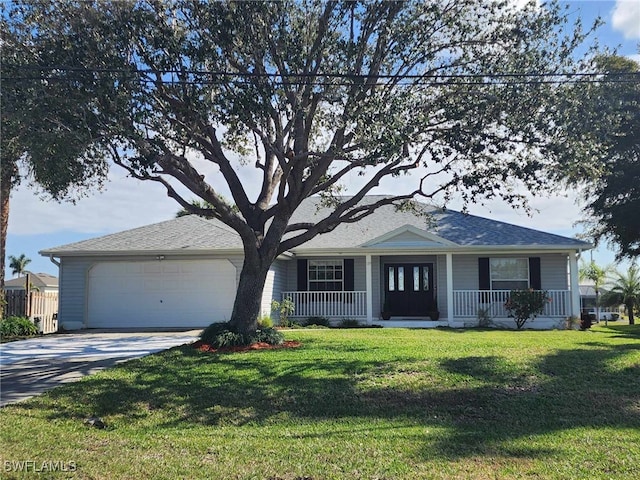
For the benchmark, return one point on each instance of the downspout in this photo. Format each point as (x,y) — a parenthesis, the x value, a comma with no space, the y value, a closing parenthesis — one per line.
(57,264)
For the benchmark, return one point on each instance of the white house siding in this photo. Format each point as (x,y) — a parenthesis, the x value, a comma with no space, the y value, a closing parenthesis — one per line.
(274,286)
(376,270)
(553,271)
(359,274)
(465,272)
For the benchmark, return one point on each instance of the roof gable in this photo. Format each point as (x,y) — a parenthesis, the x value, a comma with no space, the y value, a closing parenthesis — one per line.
(408,236)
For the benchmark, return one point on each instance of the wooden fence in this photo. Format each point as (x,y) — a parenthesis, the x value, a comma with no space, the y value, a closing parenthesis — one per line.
(40,307)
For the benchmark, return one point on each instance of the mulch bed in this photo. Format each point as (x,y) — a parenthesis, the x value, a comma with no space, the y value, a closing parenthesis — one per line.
(205,347)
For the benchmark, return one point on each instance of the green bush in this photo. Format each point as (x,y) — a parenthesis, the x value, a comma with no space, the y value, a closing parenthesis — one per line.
(269,335)
(349,323)
(523,305)
(317,321)
(221,335)
(284,308)
(17,327)
(265,321)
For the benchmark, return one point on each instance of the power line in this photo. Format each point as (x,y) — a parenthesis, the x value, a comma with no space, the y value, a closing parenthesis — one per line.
(189,77)
(144,71)
(327,84)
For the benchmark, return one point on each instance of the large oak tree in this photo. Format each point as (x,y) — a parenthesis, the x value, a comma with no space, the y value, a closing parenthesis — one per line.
(459,94)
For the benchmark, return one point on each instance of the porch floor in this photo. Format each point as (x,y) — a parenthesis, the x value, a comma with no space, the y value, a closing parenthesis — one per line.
(411,323)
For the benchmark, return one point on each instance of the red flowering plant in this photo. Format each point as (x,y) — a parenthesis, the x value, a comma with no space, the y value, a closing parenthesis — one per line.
(524,305)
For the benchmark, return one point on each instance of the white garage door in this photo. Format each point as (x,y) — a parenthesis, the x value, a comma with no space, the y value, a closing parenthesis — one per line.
(168,293)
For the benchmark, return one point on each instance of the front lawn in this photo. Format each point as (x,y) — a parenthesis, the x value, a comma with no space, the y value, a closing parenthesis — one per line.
(349,404)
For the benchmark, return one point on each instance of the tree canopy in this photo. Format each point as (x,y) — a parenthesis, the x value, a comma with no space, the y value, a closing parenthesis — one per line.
(607,130)
(462,95)
(48,133)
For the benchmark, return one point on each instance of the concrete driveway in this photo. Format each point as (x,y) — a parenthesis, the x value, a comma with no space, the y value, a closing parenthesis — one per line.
(31,367)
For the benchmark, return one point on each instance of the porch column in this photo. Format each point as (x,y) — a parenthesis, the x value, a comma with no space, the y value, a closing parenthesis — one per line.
(369,284)
(449,262)
(575,290)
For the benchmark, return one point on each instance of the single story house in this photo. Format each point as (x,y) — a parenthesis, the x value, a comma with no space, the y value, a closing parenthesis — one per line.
(424,267)
(41,282)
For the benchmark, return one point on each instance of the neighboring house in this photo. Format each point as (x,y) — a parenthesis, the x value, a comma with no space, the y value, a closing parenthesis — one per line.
(41,282)
(588,297)
(184,272)
(588,303)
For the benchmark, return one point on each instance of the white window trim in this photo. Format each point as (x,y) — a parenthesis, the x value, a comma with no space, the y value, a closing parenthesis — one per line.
(491,279)
(335,262)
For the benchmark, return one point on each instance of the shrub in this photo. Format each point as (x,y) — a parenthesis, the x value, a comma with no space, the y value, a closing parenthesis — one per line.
(349,323)
(284,308)
(17,327)
(220,335)
(265,321)
(523,305)
(317,321)
(484,318)
(269,335)
(570,322)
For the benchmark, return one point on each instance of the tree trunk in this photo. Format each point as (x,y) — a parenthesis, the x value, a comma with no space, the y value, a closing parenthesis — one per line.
(246,308)
(5,192)
(630,307)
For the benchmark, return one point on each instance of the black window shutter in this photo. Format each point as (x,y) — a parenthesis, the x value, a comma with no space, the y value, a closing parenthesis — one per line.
(535,279)
(302,276)
(484,280)
(348,275)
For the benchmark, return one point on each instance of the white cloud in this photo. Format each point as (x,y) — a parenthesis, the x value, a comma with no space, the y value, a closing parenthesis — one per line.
(625,18)
(126,203)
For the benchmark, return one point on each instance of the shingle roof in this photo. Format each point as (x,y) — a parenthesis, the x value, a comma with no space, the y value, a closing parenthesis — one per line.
(39,280)
(456,227)
(193,233)
(190,232)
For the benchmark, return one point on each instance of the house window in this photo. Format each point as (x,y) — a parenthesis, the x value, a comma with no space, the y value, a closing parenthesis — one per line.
(509,273)
(326,275)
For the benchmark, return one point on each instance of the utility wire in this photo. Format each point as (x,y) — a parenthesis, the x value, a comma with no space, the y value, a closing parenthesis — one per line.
(189,77)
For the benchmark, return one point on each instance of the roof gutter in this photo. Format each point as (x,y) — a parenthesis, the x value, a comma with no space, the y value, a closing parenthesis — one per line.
(54,261)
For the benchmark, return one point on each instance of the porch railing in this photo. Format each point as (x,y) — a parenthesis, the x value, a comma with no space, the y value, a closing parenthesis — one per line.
(466,303)
(328,304)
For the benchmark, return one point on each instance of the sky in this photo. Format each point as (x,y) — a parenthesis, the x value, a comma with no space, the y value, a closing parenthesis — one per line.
(36,223)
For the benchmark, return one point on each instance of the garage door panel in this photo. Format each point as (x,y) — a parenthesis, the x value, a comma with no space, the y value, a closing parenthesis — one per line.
(160,294)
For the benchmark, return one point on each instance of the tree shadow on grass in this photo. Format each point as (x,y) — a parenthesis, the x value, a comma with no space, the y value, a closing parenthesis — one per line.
(623,331)
(565,390)
(489,402)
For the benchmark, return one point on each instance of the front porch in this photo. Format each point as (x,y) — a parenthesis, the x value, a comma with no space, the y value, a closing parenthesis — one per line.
(468,307)
(429,290)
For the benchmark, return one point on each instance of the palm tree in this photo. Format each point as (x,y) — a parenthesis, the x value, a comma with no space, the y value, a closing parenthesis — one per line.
(625,288)
(19,264)
(598,275)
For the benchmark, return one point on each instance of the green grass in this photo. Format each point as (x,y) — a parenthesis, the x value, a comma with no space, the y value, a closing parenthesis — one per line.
(371,403)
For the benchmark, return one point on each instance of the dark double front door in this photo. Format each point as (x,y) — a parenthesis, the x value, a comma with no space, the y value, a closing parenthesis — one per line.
(408,289)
